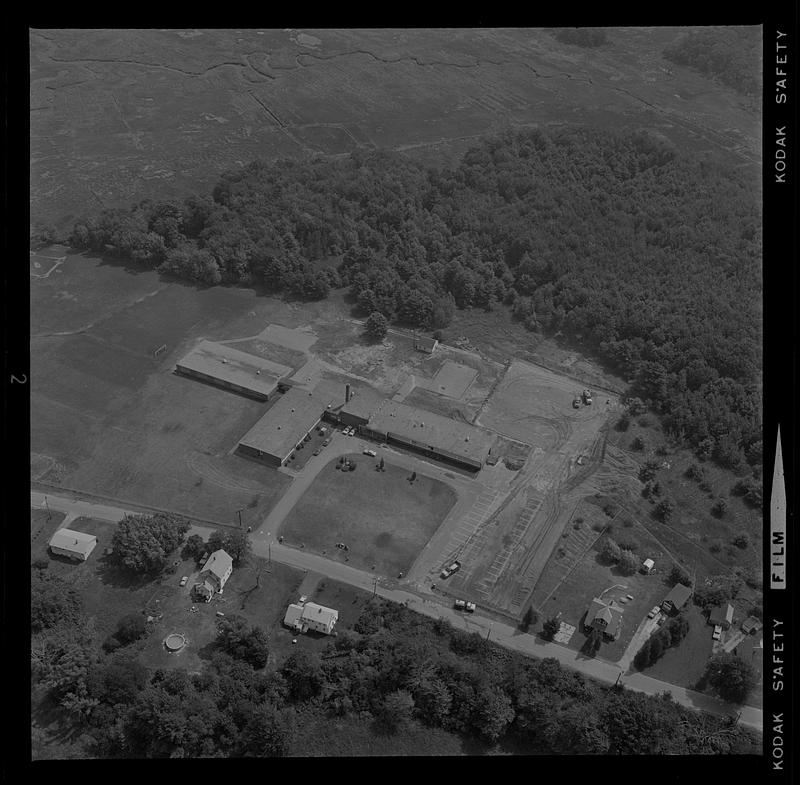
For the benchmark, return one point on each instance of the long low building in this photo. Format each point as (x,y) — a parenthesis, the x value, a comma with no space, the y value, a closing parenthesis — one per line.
(231,369)
(294,415)
(432,434)
(73,544)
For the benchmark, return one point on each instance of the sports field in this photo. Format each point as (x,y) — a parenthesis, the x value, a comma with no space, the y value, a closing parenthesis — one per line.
(383,518)
(109,418)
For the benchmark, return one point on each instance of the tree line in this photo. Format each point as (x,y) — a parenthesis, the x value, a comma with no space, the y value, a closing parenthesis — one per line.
(648,256)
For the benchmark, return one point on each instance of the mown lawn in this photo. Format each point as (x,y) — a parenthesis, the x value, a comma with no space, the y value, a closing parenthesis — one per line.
(382,517)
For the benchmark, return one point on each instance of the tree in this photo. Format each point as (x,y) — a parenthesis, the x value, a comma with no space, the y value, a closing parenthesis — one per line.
(268,732)
(550,628)
(610,551)
(643,657)
(130,628)
(695,472)
(677,627)
(731,677)
(530,617)
(381,465)
(234,542)
(628,562)
(664,509)
(494,712)
(638,444)
(142,543)
(376,326)
(243,642)
(396,710)
(303,675)
(195,547)
(679,575)
(53,601)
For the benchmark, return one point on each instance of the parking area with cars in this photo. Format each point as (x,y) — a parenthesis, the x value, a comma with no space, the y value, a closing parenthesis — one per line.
(312,445)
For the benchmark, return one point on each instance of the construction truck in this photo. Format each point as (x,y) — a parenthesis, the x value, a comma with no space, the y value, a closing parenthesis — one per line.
(587,397)
(576,403)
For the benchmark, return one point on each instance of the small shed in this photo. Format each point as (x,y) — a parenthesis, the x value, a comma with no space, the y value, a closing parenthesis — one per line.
(74,545)
(647,566)
(424,344)
(751,624)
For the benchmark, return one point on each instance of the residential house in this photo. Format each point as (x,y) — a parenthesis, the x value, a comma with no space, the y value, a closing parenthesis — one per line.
(310,616)
(603,618)
(214,575)
(721,615)
(647,566)
(676,599)
(75,545)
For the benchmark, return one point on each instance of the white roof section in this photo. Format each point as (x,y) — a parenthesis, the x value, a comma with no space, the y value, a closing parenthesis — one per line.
(77,542)
(218,563)
(649,564)
(319,613)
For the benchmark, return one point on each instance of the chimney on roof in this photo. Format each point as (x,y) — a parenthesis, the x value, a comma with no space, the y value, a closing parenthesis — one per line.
(347,393)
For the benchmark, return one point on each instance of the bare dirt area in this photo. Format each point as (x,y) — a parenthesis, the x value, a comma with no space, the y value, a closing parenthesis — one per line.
(503,562)
(120,115)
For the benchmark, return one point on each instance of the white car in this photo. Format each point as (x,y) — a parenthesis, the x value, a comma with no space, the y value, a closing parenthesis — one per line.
(471,607)
(653,612)
(460,605)
(717,634)
(371,453)
(346,431)
(184,580)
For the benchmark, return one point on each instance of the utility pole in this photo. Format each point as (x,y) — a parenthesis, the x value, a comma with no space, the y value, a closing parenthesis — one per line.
(239,513)
(489,631)
(49,514)
(269,547)
(374,586)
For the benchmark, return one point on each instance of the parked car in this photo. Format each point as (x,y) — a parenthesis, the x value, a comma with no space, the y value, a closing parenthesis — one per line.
(346,431)
(370,452)
(717,634)
(653,612)
(326,442)
(352,431)
(460,605)
(471,607)
(184,580)
(317,451)
(448,571)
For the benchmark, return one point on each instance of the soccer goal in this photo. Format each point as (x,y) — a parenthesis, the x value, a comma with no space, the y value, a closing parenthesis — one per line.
(160,350)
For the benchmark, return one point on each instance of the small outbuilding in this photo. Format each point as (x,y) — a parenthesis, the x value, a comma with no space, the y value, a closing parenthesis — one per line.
(425,344)
(647,566)
(751,624)
(72,544)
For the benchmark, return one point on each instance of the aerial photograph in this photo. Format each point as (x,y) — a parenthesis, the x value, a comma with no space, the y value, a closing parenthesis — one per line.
(396,392)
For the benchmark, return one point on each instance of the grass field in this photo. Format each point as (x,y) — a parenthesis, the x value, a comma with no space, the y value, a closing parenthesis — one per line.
(120,115)
(685,664)
(383,518)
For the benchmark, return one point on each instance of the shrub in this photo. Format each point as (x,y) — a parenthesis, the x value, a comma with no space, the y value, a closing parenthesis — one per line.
(741,540)
(623,424)
(695,472)
(550,628)
(719,507)
(42,563)
(638,444)
(705,486)
(644,422)
(664,509)
(627,543)
(679,575)
(610,551)
(715,546)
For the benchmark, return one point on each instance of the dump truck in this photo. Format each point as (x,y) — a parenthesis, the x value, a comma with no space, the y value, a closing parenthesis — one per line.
(587,397)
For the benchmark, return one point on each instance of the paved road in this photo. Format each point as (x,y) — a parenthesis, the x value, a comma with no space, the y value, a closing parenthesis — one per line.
(499,632)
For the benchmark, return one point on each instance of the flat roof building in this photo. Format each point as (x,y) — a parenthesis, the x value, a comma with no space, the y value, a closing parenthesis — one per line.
(433,434)
(232,369)
(276,435)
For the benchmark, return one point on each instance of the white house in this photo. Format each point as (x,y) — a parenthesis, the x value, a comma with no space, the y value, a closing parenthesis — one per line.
(75,545)
(310,616)
(214,576)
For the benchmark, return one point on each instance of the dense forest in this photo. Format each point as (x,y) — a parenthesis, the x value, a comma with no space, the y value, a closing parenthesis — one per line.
(730,54)
(395,668)
(649,256)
